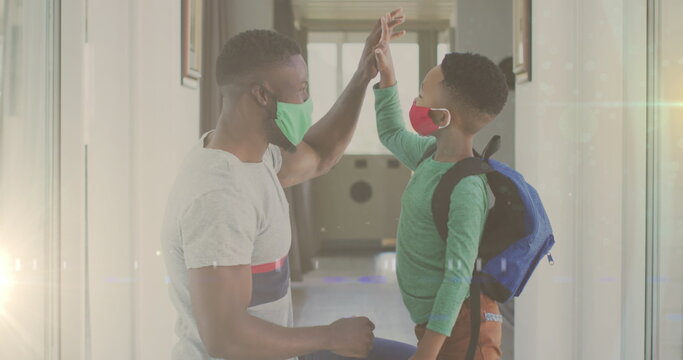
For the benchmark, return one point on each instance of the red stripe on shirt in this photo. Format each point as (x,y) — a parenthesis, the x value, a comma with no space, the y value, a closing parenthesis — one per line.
(268,267)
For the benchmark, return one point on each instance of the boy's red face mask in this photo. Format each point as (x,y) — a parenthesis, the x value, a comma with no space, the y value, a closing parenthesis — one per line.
(422,122)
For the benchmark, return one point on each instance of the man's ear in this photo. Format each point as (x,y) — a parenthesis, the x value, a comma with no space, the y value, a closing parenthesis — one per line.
(260,94)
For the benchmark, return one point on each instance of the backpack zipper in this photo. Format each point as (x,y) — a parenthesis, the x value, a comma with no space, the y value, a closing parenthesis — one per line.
(550,259)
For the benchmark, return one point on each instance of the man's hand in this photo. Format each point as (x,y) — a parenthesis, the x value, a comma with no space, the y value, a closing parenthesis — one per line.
(351,337)
(368,64)
(385,63)
(326,140)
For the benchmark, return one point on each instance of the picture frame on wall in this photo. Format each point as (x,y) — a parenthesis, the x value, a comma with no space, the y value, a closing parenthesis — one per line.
(191,42)
(521,59)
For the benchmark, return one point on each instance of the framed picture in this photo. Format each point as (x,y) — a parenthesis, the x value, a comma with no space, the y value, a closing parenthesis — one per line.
(191,38)
(521,65)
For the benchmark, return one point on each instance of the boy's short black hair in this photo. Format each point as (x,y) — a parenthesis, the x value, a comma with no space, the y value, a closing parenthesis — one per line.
(250,51)
(505,66)
(476,82)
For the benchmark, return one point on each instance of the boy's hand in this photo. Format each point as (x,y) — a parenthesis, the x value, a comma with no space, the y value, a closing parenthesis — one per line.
(351,337)
(385,63)
(368,67)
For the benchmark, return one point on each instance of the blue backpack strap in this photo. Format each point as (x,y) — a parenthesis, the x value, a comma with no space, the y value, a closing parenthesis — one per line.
(441,199)
(432,149)
(491,148)
(441,203)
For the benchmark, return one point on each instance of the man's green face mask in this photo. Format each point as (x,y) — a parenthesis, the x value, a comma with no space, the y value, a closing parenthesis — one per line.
(294,120)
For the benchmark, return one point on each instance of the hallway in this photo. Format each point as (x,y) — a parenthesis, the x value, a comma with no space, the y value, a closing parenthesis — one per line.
(358,284)
(101,101)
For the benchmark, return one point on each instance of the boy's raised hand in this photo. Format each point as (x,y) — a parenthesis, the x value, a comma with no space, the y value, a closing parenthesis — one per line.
(383,31)
(385,64)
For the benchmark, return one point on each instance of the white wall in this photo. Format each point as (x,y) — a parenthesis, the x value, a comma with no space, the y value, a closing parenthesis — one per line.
(97,293)
(634,182)
(72,182)
(122,96)
(483,27)
(166,125)
(253,14)
(571,137)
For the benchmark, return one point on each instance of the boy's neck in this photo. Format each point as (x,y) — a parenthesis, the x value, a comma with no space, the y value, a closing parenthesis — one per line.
(453,147)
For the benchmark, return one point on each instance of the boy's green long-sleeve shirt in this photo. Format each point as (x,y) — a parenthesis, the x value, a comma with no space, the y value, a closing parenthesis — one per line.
(434,276)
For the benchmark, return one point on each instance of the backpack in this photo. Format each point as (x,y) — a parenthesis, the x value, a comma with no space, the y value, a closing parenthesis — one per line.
(516,236)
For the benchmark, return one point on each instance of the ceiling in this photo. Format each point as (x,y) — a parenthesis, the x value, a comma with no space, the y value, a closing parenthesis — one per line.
(345,11)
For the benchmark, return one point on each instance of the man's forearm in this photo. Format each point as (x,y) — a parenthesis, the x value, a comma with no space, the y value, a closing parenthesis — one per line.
(257,339)
(330,136)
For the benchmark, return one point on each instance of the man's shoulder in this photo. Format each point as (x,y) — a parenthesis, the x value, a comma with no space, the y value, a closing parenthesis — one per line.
(201,175)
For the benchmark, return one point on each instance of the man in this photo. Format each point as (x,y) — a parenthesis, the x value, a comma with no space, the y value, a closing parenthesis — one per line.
(226,232)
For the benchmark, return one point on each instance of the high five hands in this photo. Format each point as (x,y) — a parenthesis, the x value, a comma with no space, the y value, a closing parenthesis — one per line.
(379,38)
(382,52)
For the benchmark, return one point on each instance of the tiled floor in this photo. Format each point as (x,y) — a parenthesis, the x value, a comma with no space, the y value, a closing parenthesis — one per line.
(351,285)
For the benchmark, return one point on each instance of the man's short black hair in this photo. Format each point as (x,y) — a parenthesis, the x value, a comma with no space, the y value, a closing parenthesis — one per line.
(251,51)
(475,81)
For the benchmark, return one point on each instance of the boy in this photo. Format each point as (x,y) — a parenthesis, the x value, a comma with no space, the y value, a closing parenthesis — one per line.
(457,98)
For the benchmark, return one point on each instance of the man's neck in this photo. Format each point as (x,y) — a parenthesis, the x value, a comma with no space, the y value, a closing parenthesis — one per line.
(232,136)
(453,147)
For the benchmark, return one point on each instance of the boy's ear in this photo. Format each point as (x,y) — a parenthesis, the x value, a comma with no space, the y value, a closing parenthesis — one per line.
(440,117)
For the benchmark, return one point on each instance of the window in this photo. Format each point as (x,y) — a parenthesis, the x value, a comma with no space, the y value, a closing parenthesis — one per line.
(332,60)
(444,46)
(441,51)
(27,179)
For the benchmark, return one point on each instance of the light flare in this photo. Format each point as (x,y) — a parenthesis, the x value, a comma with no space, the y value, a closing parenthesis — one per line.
(7,280)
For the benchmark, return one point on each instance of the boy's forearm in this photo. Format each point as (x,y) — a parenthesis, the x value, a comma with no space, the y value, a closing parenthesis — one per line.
(387,79)
(429,346)
(389,118)
(407,147)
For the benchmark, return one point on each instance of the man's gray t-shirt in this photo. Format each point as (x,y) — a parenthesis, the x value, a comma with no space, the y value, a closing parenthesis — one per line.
(224,212)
